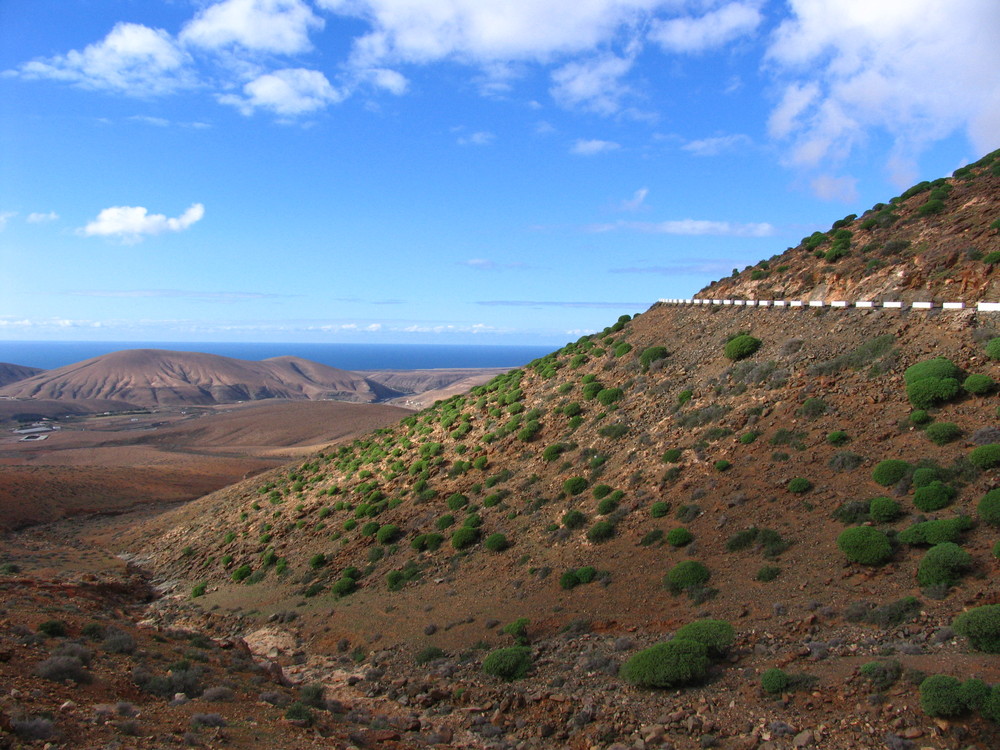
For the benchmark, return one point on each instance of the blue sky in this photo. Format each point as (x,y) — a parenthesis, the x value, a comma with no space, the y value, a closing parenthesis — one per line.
(450,171)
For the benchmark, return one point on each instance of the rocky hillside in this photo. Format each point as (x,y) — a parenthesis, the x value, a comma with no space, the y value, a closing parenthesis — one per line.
(939,241)
(11,373)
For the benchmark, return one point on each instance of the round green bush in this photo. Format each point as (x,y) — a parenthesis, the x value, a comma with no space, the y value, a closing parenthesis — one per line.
(608,396)
(679,537)
(939,367)
(774,681)
(370,528)
(716,635)
(934,496)
(919,417)
(748,437)
(569,580)
(672,456)
(978,385)
(659,509)
(942,433)
(497,542)
(799,485)
(985,456)
(511,663)
(586,574)
(943,564)
(686,575)
(837,437)
(924,476)
(768,573)
(936,532)
(941,695)
(929,392)
(981,626)
(884,509)
(741,347)
(723,465)
(600,532)
(574,485)
(989,508)
(993,348)
(889,472)
(865,545)
(573,519)
(671,664)
(991,706)
(975,693)
(388,534)
(651,355)
(601,491)
(464,537)
(607,505)
(457,501)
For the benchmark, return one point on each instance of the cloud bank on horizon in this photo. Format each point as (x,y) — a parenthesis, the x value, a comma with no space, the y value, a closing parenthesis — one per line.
(640,140)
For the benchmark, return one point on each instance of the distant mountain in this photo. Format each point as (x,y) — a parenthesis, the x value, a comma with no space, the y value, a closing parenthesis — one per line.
(12,373)
(154,377)
(938,241)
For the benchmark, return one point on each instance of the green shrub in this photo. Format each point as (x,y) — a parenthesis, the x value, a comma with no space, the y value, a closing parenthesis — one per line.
(672,456)
(510,663)
(427,542)
(518,630)
(679,537)
(919,417)
(768,573)
(388,534)
(199,590)
(370,528)
(685,576)
(975,693)
(774,681)
(741,347)
(666,665)
(881,674)
(812,408)
(53,628)
(569,579)
(925,475)
(936,532)
(456,501)
(716,635)
(988,508)
(601,491)
(241,573)
(799,485)
(981,626)
(464,537)
(939,367)
(883,509)
(574,485)
(684,396)
(613,431)
(428,654)
(651,355)
(985,456)
(941,695)
(608,396)
(659,509)
(943,564)
(445,521)
(978,385)
(723,465)
(601,532)
(942,433)
(934,496)
(574,519)
(496,542)
(993,348)
(837,437)
(890,471)
(748,437)
(608,505)
(865,545)
(929,392)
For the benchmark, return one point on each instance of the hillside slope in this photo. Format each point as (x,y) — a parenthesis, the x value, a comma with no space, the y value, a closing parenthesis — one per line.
(11,373)
(151,377)
(939,241)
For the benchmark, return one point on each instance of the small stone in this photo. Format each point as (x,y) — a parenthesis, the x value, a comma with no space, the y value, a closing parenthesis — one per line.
(803,739)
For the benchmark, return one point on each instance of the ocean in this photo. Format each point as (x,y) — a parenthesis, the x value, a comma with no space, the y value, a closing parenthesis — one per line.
(51,354)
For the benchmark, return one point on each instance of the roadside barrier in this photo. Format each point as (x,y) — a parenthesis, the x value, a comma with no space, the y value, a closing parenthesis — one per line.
(838,304)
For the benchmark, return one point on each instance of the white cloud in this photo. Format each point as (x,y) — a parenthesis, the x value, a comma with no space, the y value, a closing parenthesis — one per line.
(636,201)
(918,70)
(132,59)
(390,80)
(133,223)
(717,145)
(293,91)
(712,30)
(276,26)
(592,147)
(158,122)
(593,85)
(484,264)
(690,227)
(481,138)
(40,218)
(475,31)
(831,188)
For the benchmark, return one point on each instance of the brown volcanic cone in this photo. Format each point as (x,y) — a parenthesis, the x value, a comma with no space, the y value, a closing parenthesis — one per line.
(154,377)
(10,373)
